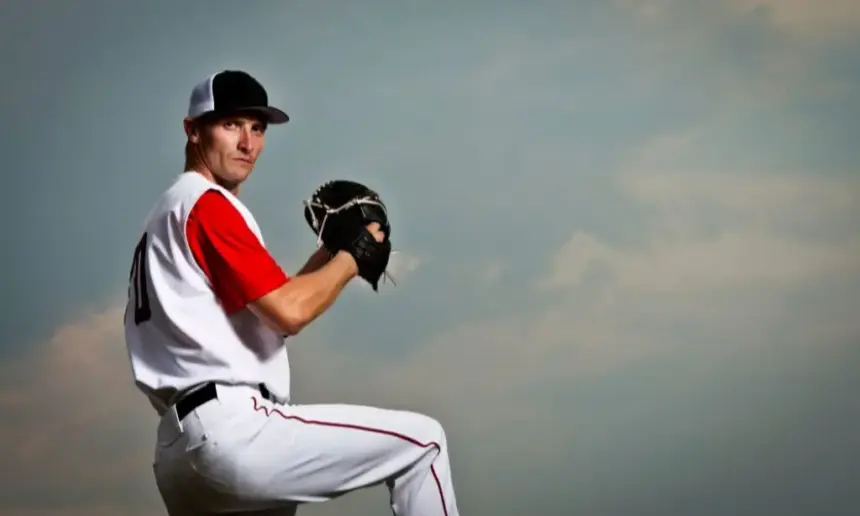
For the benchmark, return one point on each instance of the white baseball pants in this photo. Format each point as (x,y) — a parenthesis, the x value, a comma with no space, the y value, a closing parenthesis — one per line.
(243,454)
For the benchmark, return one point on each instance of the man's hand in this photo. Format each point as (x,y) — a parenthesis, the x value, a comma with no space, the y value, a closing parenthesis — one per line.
(375,230)
(321,256)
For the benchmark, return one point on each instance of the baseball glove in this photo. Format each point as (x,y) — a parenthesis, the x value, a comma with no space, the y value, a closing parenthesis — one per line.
(339,212)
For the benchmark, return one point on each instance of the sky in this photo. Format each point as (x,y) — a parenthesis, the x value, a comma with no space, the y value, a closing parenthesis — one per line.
(628,240)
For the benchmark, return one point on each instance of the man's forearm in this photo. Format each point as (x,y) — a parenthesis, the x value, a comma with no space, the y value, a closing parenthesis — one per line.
(299,301)
(319,258)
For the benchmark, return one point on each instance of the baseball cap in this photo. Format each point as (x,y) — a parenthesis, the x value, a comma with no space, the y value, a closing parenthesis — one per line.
(232,91)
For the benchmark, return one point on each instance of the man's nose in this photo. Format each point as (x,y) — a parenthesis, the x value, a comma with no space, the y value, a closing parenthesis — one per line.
(245,140)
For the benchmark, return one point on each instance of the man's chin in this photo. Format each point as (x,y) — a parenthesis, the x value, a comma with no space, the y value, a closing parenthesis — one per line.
(234,179)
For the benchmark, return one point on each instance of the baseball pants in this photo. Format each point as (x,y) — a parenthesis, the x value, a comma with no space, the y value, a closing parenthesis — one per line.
(243,454)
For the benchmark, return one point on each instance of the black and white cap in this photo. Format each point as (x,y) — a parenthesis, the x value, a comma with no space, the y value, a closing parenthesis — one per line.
(233,91)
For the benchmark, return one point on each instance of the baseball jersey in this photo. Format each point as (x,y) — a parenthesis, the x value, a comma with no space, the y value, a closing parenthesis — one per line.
(179,331)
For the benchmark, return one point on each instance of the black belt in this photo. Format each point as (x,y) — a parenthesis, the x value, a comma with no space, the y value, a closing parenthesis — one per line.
(206,394)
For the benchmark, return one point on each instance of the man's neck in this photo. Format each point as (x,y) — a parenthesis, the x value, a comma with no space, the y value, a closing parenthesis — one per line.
(209,176)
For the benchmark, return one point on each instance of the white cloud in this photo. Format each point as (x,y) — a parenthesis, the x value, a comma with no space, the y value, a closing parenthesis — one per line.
(808,18)
(723,251)
(711,232)
(491,273)
(729,260)
(79,427)
(815,19)
(401,265)
(754,196)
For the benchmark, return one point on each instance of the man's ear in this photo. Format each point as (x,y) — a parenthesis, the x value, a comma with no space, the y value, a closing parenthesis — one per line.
(191,130)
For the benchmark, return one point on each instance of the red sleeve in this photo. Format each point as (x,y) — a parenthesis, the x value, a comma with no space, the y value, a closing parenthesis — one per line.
(239,268)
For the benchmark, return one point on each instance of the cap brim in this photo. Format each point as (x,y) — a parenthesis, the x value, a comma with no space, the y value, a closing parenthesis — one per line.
(272,114)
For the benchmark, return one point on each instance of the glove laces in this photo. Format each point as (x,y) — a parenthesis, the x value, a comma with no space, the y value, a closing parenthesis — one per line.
(319,225)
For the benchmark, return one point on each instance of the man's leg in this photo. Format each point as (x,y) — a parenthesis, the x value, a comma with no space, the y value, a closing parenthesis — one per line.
(270,454)
(339,448)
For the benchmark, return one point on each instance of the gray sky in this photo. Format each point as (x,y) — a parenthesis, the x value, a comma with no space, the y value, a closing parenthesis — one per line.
(629,235)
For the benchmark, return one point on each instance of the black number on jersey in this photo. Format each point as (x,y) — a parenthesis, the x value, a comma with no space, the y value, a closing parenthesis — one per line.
(137,283)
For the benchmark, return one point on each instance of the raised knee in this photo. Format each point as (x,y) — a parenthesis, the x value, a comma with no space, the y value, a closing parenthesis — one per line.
(433,430)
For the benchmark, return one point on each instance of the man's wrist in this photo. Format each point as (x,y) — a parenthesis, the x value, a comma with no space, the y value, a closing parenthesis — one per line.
(344,260)
(315,261)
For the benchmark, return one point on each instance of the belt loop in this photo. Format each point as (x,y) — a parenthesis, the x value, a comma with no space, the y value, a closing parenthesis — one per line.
(265,392)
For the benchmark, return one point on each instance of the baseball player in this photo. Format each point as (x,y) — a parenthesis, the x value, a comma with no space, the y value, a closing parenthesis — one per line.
(208,314)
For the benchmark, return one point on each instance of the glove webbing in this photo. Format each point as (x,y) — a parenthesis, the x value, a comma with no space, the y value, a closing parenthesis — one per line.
(320,225)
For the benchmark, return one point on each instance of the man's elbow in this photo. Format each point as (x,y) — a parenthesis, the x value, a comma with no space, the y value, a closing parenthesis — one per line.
(294,319)
(282,313)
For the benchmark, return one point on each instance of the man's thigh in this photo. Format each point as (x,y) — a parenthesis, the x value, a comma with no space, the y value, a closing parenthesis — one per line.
(311,453)
(323,450)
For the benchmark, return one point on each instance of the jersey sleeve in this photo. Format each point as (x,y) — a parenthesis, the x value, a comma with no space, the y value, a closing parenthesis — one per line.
(239,268)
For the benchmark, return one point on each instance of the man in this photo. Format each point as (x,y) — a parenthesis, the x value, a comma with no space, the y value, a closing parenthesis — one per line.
(208,312)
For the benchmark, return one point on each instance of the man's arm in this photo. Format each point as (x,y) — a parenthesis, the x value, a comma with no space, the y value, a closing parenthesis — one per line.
(297,303)
(243,273)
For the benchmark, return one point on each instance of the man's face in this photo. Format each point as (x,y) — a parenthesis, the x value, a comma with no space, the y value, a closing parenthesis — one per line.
(229,147)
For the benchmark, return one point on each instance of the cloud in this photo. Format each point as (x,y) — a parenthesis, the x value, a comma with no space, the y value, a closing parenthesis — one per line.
(748,194)
(816,19)
(808,18)
(491,272)
(711,232)
(73,424)
(754,55)
(694,246)
(402,264)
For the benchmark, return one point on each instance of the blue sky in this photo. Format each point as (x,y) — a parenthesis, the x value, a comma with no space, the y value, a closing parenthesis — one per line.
(632,227)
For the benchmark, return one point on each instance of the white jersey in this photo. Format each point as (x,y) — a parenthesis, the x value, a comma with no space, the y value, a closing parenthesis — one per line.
(176,331)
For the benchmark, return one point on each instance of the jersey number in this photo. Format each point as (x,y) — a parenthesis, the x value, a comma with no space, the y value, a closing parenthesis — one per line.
(137,283)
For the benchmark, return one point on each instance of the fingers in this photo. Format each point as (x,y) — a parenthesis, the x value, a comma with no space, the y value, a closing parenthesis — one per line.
(373,227)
